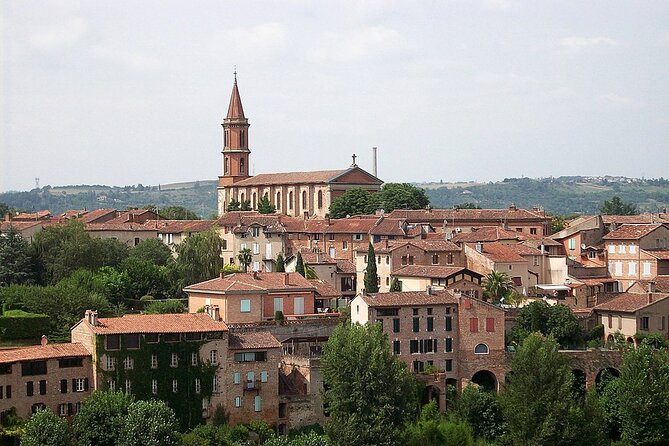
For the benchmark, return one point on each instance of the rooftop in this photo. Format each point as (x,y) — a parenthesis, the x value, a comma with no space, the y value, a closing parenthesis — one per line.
(42,352)
(158,323)
(485,234)
(252,340)
(405,298)
(498,252)
(261,281)
(450,215)
(436,272)
(632,231)
(631,302)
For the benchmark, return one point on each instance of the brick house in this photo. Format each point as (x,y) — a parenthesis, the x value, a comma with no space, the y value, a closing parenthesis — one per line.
(582,241)
(57,376)
(454,278)
(632,313)
(487,257)
(245,298)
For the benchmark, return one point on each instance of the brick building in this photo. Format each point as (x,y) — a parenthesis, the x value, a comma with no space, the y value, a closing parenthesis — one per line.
(454,278)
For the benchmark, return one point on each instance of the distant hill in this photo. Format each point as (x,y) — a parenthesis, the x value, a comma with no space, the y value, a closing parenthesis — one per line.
(562,195)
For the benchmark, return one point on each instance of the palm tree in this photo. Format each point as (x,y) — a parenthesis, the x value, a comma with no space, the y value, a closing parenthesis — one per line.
(497,285)
(245,258)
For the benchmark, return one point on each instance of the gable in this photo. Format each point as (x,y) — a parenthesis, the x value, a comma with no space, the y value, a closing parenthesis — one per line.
(356,175)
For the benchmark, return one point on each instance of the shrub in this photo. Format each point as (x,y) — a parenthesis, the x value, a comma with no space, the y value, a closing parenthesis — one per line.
(19,324)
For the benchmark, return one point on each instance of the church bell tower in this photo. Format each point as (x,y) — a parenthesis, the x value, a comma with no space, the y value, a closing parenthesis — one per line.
(235,140)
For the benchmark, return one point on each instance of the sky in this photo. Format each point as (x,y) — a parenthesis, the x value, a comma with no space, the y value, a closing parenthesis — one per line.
(129,92)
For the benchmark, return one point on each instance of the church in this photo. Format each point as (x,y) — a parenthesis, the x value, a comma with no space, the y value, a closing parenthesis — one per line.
(298,194)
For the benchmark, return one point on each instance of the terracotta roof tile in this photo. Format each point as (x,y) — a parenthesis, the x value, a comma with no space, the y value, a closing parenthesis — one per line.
(660,254)
(450,215)
(633,219)
(485,234)
(353,225)
(409,298)
(111,226)
(498,252)
(324,289)
(632,232)
(315,177)
(345,266)
(389,226)
(262,281)
(179,226)
(316,258)
(28,216)
(158,323)
(428,245)
(630,302)
(19,225)
(524,250)
(97,214)
(661,283)
(436,272)
(41,352)
(252,340)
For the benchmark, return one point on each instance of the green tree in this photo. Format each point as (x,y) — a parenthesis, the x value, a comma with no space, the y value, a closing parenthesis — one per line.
(371,277)
(15,262)
(401,196)
(480,409)
(395,285)
(145,277)
(467,205)
(643,396)
(102,418)
(234,205)
(618,207)
(245,258)
(4,210)
(198,259)
(309,273)
(497,285)
(167,306)
(353,202)
(45,428)
(280,264)
(177,213)
(149,423)
(245,205)
(264,206)
(557,321)
(299,265)
(153,250)
(370,394)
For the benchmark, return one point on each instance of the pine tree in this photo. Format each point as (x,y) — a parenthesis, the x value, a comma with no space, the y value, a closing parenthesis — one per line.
(280,264)
(395,285)
(233,206)
(371,277)
(264,206)
(299,267)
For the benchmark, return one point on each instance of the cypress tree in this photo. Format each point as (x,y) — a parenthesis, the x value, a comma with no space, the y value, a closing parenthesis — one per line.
(300,265)
(280,264)
(395,285)
(371,277)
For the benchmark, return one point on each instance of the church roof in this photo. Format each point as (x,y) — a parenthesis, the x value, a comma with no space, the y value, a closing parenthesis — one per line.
(235,109)
(319,176)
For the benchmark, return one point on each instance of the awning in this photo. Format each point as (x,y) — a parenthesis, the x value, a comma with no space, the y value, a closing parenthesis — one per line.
(553,287)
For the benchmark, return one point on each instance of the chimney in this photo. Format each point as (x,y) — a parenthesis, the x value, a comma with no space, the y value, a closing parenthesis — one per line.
(479,247)
(374,166)
(513,207)
(91,317)
(543,248)
(364,292)
(222,274)
(286,278)
(327,219)
(8,216)
(44,341)
(214,311)
(318,257)
(255,275)
(651,286)
(429,290)
(650,297)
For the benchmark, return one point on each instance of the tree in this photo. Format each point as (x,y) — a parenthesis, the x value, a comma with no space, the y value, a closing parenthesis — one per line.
(198,259)
(4,210)
(145,277)
(149,423)
(166,306)
(153,250)
(309,273)
(557,321)
(538,401)
(618,207)
(370,394)
(280,264)
(234,205)
(15,262)
(177,213)
(401,196)
(245,205)
(643,396)
(264,206)
(467,205)
(353,202)
(245,258)
(480,409)
(371,277)
(395,285)
(102,418)
(299,265)
(45,428)
(497,285)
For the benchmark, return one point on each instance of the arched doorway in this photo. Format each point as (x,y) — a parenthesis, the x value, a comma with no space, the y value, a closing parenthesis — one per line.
(578,386)
(431,393)
(486,380)
(605,376)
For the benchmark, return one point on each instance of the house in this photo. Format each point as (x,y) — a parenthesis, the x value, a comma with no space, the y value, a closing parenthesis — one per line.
(246,298)
(304,194)
(335,283)
(581,241)
(659,284)
(487,257)
(27,229)
(54,376)
(454,278)
(634,313)
(175,232)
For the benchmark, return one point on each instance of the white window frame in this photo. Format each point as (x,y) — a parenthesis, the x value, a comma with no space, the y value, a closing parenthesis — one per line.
(278,304)
(112,385)
(256,248)
(213,356)
(175,386)
(128,363)
(237,378)
(111,363)
(154,361)
(263,376)
(631,268)
(245,306)
(174,361)
(154,386)
(193,358)
(214,384)
(62,410)
(298,305)
(198,386)
(128,386)
(79,385)
(572,243)
(612,248)
(647,268)
(257,403)
(238,401)
(621,248)
(632,249)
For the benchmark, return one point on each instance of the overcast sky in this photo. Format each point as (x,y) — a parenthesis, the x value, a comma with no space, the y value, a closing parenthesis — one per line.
(129,92)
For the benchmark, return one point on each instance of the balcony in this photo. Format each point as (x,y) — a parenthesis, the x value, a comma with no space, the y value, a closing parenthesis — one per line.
(252,385)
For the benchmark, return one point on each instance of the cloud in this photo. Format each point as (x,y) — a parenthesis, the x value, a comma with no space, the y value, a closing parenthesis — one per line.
(359,44)
(60,37)
(578,44)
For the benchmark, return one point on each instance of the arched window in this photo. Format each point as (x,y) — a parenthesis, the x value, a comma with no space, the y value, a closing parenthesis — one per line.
(227,165)
(320,199)
(225,139)
(304,200)
(290,200)
(241,165)
(481,349)
(278,201)
(255,201)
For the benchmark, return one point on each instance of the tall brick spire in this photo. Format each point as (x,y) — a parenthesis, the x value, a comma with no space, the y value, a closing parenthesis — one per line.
(235,139)
(235,109)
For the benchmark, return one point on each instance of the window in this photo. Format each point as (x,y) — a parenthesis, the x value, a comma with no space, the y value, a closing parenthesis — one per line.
(404,260)
(414,311)
(214,384)
(320,199)
(418,366)
(30,388)
(612,249)
(198,385)
(278,201)
(430,324)
(387,281)
(256,266)
(241,165)
(257,403)
(251,357)
(278,304)
(448,365)
(410,260)
(413,346)
(245,306)
(357,237)
(128,386)
(632,249)
(250,377)
(255,232)
(111,363)
(449,259)
(416,324)
(396,325)
(535,260)
(643,323)
(33,368)
(63,386)
(619,268)
(62,410)
(154,361)
(290,200)
(256,248)
(111,384)
(621,249)
(80,385)
(481,349)
(533,231)
(396,347)
(42,387)
(572,243)
(193,358)
(154,386)
(175,386)
(238,401)
(474,324)
(237,378)
(448,323)
(631,268)
(8,392)
(490,324)
(70,362)
(174,362)
(646,268)
(128,363)
(610,321)
(131,341)
(435,259)
(263,377)
(449,345)
(344,245)
(304,200)
(298,305)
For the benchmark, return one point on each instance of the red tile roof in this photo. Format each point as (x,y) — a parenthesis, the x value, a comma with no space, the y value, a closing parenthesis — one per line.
(179,226)
(18,225)
(158,323)
(485,234)
(345,266)
(632,232)
(427,245)
(633,219)
(252,340)
(436,272)
(405,298)
(42,352)
(353,225)
(661,283)
(316,258)
(26,216)
(260,281)
(324,289)
(630,302)
(450,215)
(389,226)
(112,226)
(498,252)
(524,250)
(660,254)
(316,177)
(97,214)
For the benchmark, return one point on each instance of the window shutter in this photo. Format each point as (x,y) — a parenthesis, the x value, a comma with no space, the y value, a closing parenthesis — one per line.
(74,384)
(69,408)
(434,346)
(85,384)
(468,304)
(473,324)
(490,324)
(63,386)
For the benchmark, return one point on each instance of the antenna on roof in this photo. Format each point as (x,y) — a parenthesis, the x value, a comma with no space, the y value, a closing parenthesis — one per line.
(235,72)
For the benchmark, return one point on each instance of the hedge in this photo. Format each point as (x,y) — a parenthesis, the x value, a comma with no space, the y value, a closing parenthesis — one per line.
(19,324)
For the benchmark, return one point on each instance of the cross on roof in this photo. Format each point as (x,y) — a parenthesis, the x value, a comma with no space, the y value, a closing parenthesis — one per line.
(354,156)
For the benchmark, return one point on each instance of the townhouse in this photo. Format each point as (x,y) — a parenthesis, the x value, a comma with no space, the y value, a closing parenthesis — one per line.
(454,278)
(487,257)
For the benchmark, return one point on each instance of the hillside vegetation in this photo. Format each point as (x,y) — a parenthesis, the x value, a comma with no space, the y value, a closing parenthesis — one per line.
(563,195)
